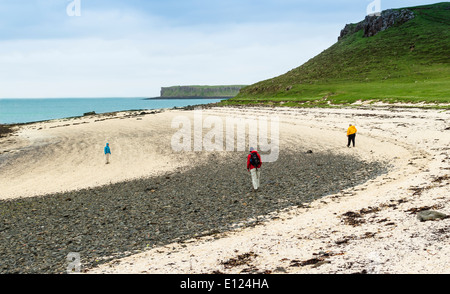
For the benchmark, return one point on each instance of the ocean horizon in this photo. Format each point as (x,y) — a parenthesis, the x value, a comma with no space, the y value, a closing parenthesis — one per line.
(28,110)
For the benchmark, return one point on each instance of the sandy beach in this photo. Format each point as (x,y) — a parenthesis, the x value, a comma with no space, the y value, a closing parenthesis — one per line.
(370,228)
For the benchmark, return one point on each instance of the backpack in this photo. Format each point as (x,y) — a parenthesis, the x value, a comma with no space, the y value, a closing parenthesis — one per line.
(254,159)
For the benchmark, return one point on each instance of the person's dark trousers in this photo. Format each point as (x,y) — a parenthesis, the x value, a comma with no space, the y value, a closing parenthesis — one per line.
(351,139)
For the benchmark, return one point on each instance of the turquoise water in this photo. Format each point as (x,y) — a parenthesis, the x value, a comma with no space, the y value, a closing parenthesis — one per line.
(32,110)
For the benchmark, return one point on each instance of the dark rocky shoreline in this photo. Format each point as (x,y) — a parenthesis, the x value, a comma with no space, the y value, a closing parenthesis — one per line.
(103,223)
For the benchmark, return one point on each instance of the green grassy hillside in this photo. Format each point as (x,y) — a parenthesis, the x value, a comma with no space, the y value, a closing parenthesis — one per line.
(408,62)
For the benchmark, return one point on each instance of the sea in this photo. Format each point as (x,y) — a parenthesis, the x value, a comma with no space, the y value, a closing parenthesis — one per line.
(14,111)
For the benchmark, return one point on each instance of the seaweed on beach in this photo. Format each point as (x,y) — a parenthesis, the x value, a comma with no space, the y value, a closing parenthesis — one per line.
(242,259)
(5,130)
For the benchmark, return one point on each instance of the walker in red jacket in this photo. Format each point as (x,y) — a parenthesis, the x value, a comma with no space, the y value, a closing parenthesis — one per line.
(254,168)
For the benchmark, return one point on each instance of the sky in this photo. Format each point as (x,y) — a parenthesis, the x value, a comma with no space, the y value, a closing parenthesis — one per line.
(132,48)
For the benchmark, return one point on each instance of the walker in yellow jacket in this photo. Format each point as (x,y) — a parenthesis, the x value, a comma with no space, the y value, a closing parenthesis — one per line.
(351,134)
(351,130)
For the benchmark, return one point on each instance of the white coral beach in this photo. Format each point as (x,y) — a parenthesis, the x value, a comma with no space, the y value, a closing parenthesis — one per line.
(387,238)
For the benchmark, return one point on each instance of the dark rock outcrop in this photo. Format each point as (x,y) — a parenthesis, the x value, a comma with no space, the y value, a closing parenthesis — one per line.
(374,24)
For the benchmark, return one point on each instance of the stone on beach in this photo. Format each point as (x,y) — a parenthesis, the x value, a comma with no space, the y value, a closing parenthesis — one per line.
(427,215)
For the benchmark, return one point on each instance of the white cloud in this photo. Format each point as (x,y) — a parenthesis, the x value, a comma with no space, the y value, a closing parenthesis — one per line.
(131,54)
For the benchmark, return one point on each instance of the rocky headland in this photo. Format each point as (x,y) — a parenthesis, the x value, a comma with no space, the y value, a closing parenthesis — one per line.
(373,24)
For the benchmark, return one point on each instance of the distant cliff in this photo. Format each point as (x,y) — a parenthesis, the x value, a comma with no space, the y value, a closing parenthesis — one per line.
(201,91)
